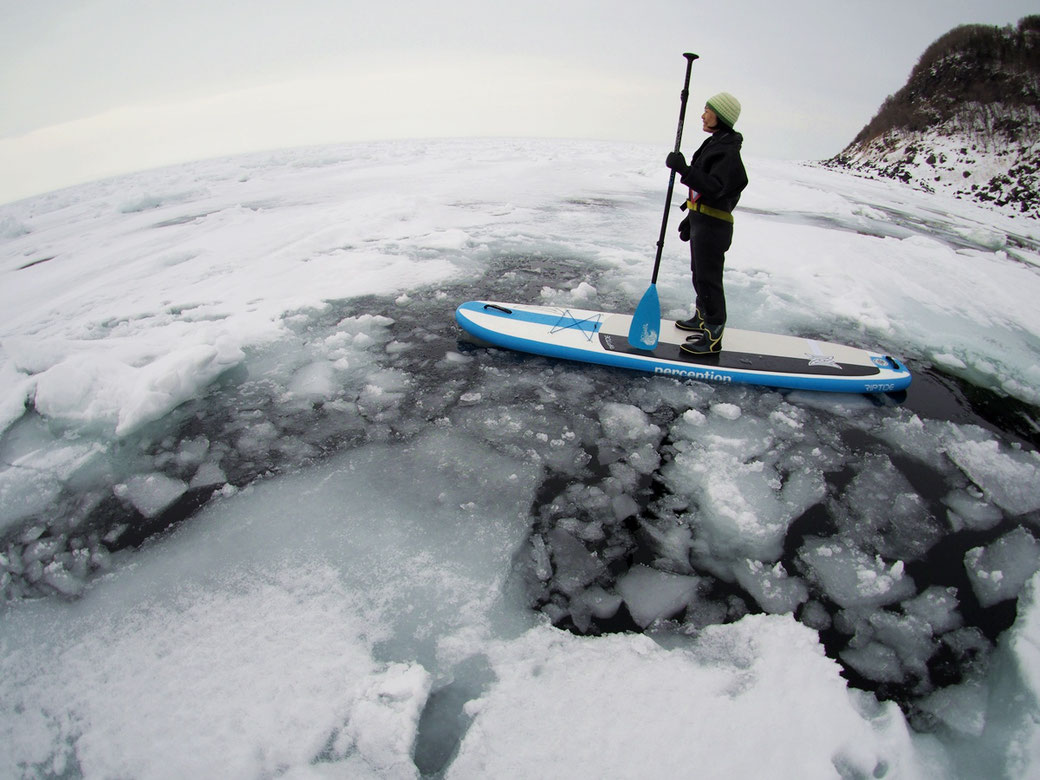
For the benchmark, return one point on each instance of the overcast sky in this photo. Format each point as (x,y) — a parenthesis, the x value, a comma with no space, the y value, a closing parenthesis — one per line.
(91,88)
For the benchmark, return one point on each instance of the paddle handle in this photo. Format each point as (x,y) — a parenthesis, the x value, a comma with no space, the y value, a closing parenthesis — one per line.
(684,97)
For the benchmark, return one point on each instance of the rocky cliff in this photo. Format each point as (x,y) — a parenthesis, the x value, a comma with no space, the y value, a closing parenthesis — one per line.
(966,123)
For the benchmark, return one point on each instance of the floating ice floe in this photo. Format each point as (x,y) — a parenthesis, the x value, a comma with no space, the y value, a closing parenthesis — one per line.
(998,571)
(853,578)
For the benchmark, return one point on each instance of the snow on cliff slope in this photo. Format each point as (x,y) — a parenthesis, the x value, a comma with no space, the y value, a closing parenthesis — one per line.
(966,123)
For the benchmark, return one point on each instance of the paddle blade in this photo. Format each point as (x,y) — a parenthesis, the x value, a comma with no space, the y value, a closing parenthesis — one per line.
(646,322)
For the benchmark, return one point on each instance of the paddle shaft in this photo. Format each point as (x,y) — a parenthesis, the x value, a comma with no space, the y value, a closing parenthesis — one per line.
(671,179)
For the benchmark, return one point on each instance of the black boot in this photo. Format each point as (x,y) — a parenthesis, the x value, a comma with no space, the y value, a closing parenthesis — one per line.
(706,341)
(696,322)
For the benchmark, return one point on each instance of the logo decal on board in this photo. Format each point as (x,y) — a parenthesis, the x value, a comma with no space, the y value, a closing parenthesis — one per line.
(822,360)
(648,338)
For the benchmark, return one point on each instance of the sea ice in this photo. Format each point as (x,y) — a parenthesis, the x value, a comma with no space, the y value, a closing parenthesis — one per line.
(335,586)
(999,570)
(532,434)
(771,586)
(1009,477)
(39,464)
(16,389)
(151,493)
(575,566)
(961,707)
(383,723)
(601,603)
(291,304)
(651,594)
(875,661)
(876,632)
(626,424)
(315,382)
(851,577)
(747,479)
(883,513)
(729,695)
(84,390)
(172,687)
(208,474)
(937,606)
(24,492)
(969,509)
(1008,706)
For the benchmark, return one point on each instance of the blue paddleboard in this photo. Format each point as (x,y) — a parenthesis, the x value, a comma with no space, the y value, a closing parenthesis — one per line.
(747,357)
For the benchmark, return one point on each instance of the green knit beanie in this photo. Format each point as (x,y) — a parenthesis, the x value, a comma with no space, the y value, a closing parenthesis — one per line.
(726,108)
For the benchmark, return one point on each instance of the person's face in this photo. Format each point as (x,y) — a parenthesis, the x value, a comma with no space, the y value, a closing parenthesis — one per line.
(710,120)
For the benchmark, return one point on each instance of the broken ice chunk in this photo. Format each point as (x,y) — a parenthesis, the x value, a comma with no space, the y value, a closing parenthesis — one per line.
(851,577)
(63,581)
(1008,477)
(815,615)
(576,567)
(961,707)
(936,606)
(627,423)
(540,558)
(651,594)
(874,661)
(773,589)
(151,493)
(971,511)
(208,474)
(624,506)
(601,603)
(383,722)
(884,514)
(909,636)
(999,571)
(726,411)
(740,481)
(593,603)
(315,382)
(34,465)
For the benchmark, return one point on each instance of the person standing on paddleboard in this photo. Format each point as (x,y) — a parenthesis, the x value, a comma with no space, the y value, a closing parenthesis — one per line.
(716,177)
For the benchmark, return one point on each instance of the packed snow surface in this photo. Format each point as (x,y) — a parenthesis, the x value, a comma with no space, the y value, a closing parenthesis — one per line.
(262,513)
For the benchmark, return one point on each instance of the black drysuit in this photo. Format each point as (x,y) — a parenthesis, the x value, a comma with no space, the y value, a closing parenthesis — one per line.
(717,177)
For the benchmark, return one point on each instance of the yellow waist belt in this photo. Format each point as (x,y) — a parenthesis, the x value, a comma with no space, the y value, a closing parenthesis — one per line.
(725,216)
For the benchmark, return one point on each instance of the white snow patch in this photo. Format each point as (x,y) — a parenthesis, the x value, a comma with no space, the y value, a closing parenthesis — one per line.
(728,696)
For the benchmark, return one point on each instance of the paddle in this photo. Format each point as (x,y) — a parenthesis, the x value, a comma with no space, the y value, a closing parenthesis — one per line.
(646,322)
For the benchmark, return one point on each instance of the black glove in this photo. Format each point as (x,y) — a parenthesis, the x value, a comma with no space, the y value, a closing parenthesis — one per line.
(676,162)
(684,229)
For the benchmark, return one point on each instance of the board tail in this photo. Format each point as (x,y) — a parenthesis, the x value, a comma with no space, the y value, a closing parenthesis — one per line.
(646,322)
